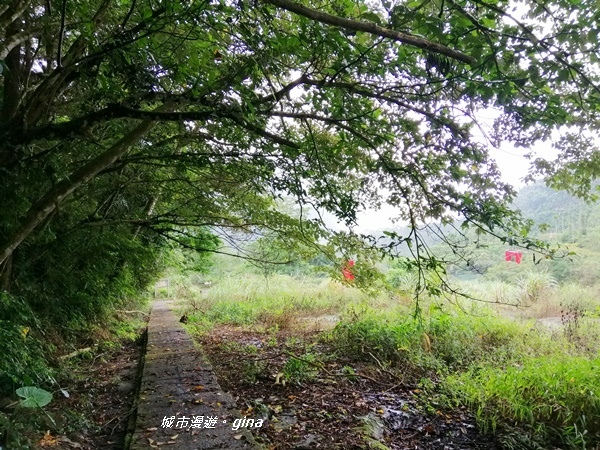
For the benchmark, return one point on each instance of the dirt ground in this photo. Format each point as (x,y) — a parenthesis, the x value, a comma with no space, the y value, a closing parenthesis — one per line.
(328,403)
(96,414)
(326,407)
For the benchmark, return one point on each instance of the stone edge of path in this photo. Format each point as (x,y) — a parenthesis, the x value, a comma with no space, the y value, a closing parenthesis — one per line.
(178,381)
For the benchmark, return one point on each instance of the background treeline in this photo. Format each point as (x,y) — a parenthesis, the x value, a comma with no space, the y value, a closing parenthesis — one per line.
(570,224)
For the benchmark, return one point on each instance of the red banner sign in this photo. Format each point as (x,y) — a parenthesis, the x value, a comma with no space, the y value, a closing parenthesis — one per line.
(512,255)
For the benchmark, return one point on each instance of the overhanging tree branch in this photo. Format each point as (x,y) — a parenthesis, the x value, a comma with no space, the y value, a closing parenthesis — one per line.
(118,111)
(76,126)
(49,202)
(371,28)
(355,88)
(168,236)
(12,41)
(7,18)
(558,54)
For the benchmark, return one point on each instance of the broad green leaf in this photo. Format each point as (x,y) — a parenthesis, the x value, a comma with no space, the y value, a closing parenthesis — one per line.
(34,397)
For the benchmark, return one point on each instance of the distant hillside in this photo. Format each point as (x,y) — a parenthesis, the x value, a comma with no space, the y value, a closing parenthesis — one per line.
(559,210)
(571,223)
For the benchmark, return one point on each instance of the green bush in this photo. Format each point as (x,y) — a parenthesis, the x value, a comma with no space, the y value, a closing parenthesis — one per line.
(23,359)
(505,371)
(442,341)
(373,336)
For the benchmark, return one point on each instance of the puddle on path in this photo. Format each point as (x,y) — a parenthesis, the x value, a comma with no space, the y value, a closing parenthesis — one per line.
(323,322)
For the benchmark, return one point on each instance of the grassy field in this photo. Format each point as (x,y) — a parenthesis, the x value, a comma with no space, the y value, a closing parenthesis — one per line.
(499,361)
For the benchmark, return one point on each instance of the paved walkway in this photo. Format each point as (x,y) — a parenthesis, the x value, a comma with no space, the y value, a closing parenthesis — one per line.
(181,405)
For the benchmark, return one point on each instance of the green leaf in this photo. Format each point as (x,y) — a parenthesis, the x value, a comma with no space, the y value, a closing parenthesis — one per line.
(564,75)
(34,397)
(371,17)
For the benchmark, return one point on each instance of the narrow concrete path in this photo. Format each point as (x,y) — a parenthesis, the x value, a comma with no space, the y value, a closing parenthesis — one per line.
(181,405)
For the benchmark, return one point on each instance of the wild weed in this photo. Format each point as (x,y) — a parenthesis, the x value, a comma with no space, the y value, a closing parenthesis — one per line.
(535,285)
(550,393)
(301,368)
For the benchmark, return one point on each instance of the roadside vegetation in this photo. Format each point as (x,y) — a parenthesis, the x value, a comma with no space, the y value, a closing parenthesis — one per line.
(80,388)
(502,364)
(139,137)
(517,345)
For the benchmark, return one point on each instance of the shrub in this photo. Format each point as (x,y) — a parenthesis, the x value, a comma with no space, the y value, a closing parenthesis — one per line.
(23,359)
(535,285)
(441,341)
(301,368)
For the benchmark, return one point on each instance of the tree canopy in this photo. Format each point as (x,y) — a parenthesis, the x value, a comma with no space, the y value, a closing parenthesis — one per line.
(128,125)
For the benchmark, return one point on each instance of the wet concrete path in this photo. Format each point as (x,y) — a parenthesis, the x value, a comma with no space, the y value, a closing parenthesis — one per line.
(181,404)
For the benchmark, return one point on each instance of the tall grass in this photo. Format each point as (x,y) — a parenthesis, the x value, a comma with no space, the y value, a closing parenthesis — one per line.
(535,286)
(274,301)
(535,295)
(453,341)
(559,396)
(504,370)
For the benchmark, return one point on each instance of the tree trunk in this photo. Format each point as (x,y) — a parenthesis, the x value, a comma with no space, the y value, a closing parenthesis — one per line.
(48,203)
(6,274)
(11,96)
(148,210)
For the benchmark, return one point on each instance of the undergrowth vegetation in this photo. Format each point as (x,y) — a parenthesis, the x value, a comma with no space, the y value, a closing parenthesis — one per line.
(42,359)
(499,361)
(557,396)
(505,371)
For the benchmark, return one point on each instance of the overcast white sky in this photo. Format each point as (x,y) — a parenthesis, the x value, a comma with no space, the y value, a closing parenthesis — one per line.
(511,162)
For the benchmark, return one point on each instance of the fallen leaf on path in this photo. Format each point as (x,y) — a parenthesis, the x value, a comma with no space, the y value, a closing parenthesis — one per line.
(48,440)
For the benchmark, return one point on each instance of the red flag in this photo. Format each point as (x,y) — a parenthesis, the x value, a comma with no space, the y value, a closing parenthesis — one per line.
(512,255)
(348,275)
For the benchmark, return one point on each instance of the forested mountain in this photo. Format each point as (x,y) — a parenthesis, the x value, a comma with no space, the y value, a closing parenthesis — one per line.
(561,211)
(567,223)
